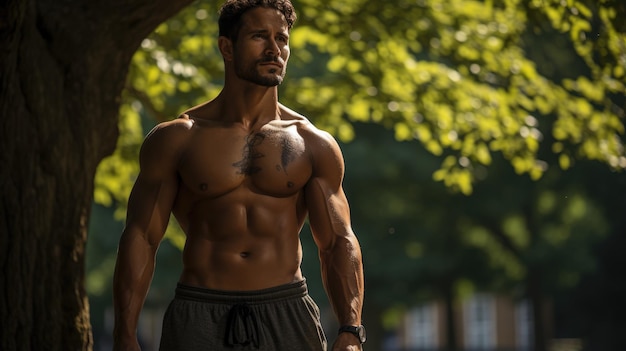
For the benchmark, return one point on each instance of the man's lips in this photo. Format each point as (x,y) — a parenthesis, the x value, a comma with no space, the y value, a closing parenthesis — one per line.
(272,63)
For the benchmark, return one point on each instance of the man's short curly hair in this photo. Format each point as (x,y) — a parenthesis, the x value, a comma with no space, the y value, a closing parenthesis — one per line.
(231,11)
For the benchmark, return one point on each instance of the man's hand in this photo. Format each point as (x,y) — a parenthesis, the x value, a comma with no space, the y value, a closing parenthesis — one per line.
(347,342)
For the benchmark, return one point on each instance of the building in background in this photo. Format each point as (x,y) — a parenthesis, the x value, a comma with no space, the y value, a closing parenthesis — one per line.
(483,322)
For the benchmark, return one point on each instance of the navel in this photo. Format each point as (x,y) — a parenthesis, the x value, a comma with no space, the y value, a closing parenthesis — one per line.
(289,184)
(204,186)
(244,254)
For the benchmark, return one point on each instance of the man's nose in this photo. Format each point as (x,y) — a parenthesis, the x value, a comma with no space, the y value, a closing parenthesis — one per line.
(272,49)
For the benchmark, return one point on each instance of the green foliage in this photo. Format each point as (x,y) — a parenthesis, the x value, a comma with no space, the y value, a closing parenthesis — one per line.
(116,174)
(454,75)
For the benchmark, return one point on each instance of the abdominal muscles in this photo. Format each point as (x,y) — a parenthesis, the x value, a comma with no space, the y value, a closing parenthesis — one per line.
(234,245)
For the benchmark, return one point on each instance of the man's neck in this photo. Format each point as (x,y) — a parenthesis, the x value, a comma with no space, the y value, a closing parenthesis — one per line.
(249,104)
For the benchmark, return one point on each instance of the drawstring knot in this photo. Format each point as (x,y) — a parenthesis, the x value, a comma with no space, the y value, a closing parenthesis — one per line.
(242,327)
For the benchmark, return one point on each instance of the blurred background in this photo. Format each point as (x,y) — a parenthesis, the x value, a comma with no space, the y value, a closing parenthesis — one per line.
(484,156)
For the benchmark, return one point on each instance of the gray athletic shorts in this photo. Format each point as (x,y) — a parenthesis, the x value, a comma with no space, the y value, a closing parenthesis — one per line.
(283,318)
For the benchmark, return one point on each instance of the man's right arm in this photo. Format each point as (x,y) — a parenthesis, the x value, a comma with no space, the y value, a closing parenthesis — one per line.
(149,208)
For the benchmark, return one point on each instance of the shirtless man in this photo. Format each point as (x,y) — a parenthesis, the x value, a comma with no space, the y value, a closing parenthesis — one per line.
(240,173)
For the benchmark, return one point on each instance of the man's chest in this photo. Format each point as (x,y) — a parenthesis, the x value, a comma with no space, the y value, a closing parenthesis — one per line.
(272,161)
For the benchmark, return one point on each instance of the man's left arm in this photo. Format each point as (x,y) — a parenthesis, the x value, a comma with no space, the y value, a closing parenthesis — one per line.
(339,250)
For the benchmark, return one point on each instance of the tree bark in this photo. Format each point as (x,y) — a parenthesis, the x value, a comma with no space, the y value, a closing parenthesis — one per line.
(451,332)
(63,65)
(536,297)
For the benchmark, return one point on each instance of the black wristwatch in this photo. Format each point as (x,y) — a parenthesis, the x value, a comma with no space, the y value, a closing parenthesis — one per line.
(358,331)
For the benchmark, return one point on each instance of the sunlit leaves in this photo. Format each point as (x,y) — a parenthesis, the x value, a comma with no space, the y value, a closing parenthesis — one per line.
(464,78)
(454,75)
(454,176)
(589,116)
(116,173)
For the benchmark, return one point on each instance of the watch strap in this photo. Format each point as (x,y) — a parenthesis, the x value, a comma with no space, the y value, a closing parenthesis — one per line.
(358,331)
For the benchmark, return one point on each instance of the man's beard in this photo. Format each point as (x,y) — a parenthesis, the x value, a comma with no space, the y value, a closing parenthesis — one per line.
(251,73)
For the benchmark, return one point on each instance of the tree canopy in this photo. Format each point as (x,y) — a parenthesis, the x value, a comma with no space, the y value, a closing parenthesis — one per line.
(468,79)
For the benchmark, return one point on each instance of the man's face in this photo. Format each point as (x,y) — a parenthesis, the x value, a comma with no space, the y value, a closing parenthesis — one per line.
(262,47)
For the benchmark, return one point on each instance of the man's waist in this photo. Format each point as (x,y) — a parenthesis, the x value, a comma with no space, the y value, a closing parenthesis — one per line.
(281,292)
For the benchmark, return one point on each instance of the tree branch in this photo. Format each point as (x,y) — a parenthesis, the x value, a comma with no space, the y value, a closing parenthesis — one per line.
(145,100)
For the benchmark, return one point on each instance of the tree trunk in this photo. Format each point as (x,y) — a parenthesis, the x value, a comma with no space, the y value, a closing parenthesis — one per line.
(449,301)
(535,294)
(63,67)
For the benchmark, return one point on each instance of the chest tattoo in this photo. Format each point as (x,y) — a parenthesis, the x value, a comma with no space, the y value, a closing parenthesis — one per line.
(246,166)
(287,154)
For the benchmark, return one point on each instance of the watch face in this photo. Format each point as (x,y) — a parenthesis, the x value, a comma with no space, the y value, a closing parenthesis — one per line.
(362,336)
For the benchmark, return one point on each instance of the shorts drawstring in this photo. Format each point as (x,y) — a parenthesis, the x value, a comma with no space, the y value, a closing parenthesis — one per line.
(243,326)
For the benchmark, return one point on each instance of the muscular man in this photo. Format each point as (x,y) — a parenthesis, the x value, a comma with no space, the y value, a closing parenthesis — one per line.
(240,173)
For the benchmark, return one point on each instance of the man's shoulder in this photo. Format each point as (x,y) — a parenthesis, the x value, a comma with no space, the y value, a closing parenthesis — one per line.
(177,127)
(287,114)
(169,135)
(306,128)
(180,123)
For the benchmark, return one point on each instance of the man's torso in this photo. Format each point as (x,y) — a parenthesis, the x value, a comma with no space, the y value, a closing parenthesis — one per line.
(240,203)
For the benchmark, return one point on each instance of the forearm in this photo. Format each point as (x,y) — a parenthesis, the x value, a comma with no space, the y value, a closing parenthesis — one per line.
(133,272)
(342,275)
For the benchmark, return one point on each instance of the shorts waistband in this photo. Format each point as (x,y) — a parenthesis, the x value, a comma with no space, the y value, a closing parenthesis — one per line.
(277,293)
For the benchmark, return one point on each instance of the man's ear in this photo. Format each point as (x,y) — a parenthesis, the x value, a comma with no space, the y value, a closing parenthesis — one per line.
(226,47)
